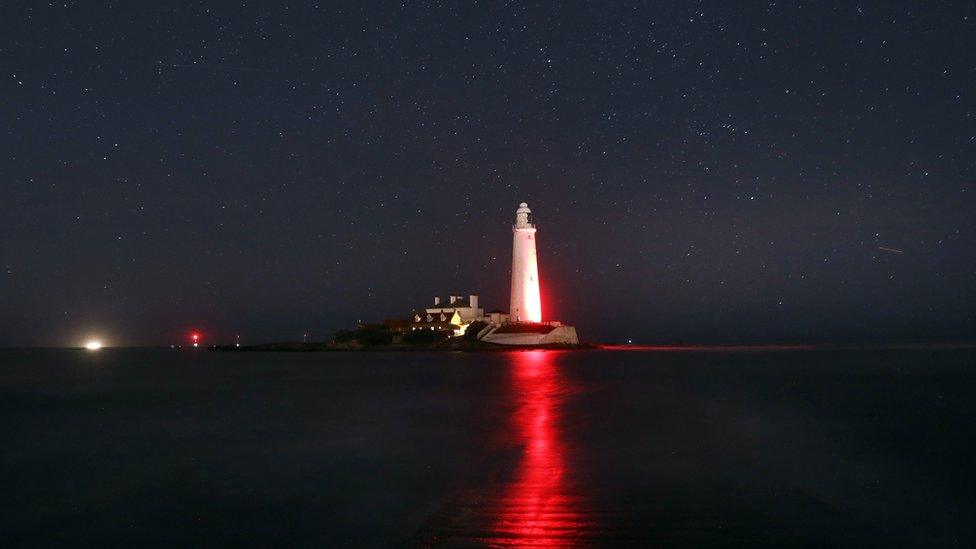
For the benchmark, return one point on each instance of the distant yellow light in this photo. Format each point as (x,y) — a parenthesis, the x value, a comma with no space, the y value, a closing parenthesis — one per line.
(93,345)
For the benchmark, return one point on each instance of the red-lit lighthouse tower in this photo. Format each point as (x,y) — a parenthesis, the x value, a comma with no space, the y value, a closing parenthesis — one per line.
(526,303)
(524,325)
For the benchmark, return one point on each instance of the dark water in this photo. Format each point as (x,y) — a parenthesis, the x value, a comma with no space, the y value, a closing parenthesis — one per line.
(597,448)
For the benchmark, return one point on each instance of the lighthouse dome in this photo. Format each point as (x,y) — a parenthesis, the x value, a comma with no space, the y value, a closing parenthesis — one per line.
(523,216)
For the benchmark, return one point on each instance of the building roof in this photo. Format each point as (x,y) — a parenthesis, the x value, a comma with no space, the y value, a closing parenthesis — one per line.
(435,318)
(458,304)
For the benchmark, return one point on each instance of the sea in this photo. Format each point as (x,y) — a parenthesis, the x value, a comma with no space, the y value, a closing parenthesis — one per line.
(633,447)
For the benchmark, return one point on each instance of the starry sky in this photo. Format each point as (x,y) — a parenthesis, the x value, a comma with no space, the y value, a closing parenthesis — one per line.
(699,171)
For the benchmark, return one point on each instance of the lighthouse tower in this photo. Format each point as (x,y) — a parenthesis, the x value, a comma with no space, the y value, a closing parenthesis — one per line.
(526,304)
(524,326)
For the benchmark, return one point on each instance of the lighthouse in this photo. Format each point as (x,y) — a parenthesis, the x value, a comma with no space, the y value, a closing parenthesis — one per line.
(523,324)
(526,303)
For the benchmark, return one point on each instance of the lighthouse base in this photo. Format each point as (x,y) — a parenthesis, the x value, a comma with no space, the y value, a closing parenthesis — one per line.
(523,333)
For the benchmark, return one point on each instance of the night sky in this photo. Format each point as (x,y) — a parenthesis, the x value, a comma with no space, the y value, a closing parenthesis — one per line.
(698,171)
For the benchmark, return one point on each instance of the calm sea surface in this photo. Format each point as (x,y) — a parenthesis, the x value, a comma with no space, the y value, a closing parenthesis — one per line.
(589,448)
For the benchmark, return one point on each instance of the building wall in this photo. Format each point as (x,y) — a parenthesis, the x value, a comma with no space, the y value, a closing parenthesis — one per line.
(468,314)
(562,335)
(496,318)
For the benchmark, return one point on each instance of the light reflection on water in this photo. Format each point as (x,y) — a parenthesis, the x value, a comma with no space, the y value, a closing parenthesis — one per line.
(538,507)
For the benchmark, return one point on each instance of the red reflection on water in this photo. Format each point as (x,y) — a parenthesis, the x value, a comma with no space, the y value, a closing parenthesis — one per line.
(537,508)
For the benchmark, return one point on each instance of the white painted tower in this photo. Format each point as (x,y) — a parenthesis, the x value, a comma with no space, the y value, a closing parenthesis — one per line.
(526,303)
